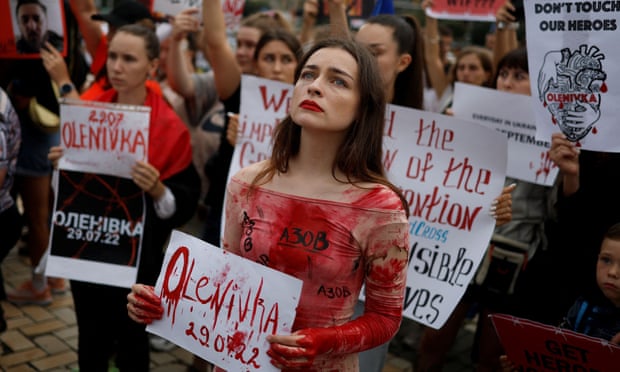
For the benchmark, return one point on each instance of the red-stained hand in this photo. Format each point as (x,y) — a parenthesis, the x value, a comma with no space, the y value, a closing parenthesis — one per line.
(616,339)
(143,306)
(301,348)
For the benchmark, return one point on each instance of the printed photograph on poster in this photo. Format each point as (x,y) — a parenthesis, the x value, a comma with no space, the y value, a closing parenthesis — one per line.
(450,182)
(466,10)
(532,346)
(97,227)
(511,114)
(571,49)
(220,306)
(28,24)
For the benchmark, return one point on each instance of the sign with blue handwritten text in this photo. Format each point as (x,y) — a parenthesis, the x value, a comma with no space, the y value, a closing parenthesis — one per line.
(450,182)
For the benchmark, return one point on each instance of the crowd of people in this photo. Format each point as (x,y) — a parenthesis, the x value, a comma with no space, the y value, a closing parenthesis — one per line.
(325,172)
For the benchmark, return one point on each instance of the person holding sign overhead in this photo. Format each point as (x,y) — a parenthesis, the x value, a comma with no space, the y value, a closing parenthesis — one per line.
(473,65)
(396,44)
(264,47)
(171,187)
(124,12)
(275,56)
(324,181)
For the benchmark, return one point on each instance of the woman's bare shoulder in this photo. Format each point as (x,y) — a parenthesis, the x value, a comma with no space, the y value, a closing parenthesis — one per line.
(247,174)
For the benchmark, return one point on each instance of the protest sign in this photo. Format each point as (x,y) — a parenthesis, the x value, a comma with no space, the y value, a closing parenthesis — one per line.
(97,228)
(25,28)
(264,103)
(449,181)
(534,347)
(221,306)
(511,114)
(466,10)
(571,48)
(103,138)
(233,10)
(98,216)
(173,7)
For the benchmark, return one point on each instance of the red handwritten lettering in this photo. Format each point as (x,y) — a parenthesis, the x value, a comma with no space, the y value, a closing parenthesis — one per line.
(439,209)
(418,168)
(249,155)
(271,100)
(433,136)
(461,175)
(389,123)
(388,158)
(222,295)
(172,296)
(101,138)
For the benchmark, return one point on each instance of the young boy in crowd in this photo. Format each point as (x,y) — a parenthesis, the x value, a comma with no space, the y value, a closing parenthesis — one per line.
(597,314)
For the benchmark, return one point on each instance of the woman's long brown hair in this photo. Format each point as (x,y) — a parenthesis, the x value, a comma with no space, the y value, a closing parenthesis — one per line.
(360,155)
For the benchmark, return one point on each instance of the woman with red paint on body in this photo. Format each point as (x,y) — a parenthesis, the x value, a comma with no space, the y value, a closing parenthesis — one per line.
(325,179)
(171,187)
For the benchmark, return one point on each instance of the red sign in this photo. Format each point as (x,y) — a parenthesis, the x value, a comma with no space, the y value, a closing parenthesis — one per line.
(534,347)
(473,10)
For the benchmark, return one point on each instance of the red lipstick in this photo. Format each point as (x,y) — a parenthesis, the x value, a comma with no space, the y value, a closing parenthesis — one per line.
(310,105)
